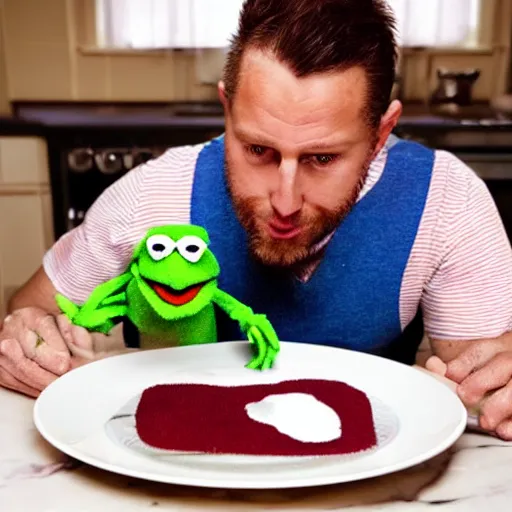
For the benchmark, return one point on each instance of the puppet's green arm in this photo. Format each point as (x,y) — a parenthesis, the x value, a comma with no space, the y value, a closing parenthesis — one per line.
(257,328)
(107,301)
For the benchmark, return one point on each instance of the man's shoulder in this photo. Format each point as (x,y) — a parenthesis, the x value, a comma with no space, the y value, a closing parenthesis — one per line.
(449,173)
(176,159)
(459,179)
(455,190)
(158,191)
(450,162)
(445,162)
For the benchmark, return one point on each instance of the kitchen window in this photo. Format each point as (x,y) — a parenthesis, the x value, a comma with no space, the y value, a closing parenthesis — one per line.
(162,24)
(437,23)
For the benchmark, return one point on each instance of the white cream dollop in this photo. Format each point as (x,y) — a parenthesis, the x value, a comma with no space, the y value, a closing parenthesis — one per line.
(300,416)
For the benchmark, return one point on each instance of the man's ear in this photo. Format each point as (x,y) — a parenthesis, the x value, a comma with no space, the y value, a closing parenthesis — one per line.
(388,122)
(222,94)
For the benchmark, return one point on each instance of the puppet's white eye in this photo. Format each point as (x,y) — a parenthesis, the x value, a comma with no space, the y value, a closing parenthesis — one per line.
(160,246)
(191,248)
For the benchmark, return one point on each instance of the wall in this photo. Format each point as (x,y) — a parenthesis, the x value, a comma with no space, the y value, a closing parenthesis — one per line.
(44,61)
(47,58)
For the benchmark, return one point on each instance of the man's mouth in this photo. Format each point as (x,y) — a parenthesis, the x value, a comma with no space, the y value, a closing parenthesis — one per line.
(176,297)
(282,230)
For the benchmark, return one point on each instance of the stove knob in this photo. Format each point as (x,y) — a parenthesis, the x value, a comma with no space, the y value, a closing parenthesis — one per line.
(109,162)
(80,160)
(141,157)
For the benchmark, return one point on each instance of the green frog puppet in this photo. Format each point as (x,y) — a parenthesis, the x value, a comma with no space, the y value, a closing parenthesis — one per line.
(168,292)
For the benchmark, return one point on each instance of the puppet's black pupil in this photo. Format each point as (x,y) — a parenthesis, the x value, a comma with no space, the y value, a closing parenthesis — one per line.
(192,248)
(159,247)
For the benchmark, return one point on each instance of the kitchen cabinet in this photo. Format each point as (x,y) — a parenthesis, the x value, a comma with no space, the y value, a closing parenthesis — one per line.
(25,211)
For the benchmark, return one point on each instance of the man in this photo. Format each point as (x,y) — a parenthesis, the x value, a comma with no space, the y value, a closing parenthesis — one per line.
(319,217)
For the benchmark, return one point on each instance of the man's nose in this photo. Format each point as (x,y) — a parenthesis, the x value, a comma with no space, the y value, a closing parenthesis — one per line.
(287,199)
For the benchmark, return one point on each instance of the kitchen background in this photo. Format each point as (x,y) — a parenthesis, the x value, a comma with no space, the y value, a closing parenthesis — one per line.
(91,88)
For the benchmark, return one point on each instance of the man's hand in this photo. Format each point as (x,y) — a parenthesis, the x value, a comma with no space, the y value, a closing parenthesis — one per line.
(483,372)
(36,348)
(32,351)
(86,347)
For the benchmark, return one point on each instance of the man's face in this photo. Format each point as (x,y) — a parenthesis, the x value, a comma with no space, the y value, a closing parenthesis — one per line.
(297,153)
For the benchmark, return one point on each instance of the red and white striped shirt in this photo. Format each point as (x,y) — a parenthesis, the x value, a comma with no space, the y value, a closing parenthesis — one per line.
(459,269)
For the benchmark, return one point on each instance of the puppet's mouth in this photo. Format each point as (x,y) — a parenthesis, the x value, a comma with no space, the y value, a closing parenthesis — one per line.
(176,297)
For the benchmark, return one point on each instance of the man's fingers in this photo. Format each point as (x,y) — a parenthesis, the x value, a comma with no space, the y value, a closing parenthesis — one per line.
(47,328)
(497,408)
(65,326)
(22,368)
(39,348)
(12,327)
(75,336)
(39,338)
(504,430)
(472,359)
(77,361)
(436,365)
(10,382)
(494,375)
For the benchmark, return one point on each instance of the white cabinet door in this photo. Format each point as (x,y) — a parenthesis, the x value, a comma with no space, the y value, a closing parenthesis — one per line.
(22,240)
(23,160)
(26,226)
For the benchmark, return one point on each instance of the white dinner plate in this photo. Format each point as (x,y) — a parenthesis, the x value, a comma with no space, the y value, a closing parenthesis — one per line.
(418,417)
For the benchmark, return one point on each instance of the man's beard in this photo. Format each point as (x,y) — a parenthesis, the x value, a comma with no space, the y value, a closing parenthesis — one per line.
(254,215)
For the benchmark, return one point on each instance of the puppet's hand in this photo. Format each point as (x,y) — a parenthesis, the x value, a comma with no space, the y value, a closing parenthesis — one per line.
(262,335)
(96,319)
(257,328)
(106,302)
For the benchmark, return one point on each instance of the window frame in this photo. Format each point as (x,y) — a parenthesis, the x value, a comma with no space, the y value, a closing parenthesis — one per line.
(86,17)
(416,64)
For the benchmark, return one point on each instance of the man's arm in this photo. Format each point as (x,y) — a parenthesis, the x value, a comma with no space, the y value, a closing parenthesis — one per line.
(468,306)
(469,299)
(157,192)
(94,252)
(448,350)
(37,292)
(35,346)
(469,296)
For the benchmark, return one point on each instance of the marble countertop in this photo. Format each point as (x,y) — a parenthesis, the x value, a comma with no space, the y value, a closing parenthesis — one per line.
(475,474)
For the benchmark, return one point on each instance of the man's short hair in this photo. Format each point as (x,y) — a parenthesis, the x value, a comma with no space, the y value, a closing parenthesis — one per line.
(318,36)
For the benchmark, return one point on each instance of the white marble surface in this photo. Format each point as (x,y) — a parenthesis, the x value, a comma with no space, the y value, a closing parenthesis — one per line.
(475,475)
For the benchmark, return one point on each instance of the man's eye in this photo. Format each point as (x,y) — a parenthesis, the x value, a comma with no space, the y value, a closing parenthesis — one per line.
(324,159)
(260,155)
(257,150)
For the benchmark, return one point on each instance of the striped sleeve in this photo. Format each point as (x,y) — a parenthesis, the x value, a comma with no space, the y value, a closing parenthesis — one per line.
(155,193)
(469,294)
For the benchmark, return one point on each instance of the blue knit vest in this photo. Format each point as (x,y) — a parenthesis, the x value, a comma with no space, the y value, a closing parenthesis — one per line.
(353,298)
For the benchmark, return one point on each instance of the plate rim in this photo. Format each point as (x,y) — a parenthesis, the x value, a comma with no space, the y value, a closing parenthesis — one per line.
(252,483)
